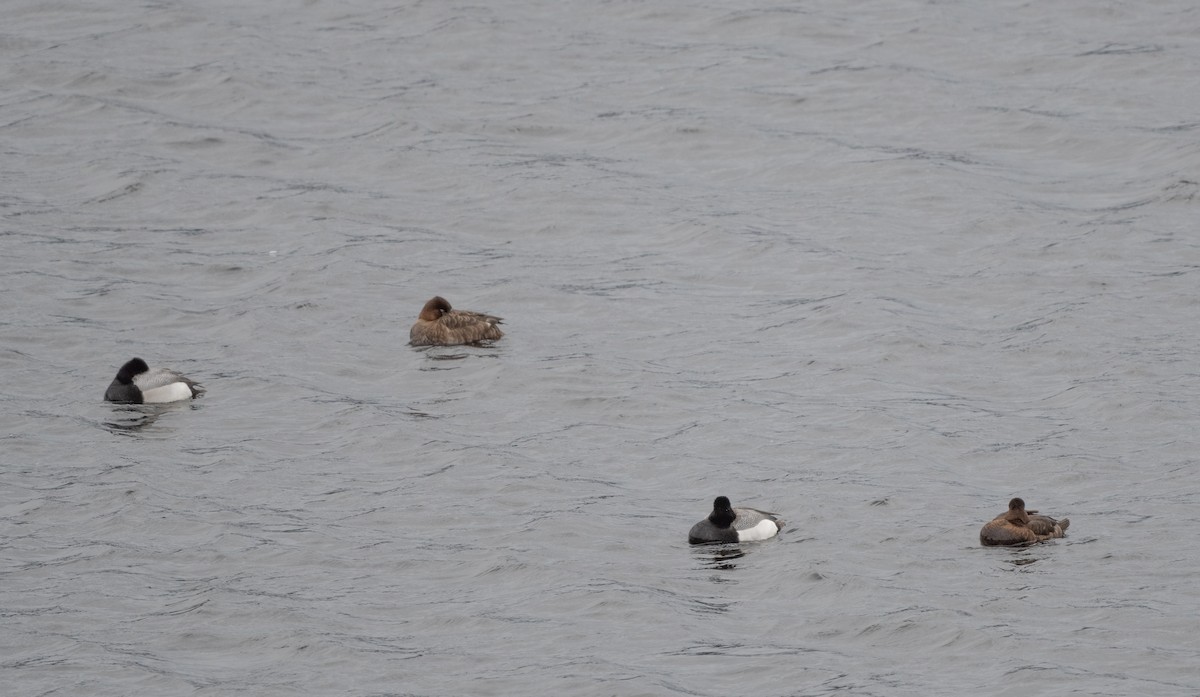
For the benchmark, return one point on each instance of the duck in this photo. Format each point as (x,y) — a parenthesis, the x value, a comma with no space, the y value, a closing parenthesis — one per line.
(729,524)
(138,383)
(441,325)
(1016,526)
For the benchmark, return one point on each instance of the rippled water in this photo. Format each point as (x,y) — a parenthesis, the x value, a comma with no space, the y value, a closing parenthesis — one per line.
(878,266)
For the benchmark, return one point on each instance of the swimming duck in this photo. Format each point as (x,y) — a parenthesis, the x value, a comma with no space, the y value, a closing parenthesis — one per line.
(729,524)
(441,325)
(137,383)
(1016,526)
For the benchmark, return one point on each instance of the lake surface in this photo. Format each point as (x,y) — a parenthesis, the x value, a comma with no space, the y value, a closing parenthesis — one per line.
(877,266)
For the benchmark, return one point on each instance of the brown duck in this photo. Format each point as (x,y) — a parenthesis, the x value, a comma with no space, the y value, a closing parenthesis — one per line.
(1016,526)
(441,325)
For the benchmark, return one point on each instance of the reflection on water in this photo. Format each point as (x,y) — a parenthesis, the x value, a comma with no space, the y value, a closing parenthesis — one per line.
(454,353)
(131,418)
(1024,555)
(719,556)
(447,356)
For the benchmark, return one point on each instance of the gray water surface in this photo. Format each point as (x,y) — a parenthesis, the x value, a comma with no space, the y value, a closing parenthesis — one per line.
(877,266)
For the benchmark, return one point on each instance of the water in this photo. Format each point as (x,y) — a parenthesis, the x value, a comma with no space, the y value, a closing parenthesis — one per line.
(878,266)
